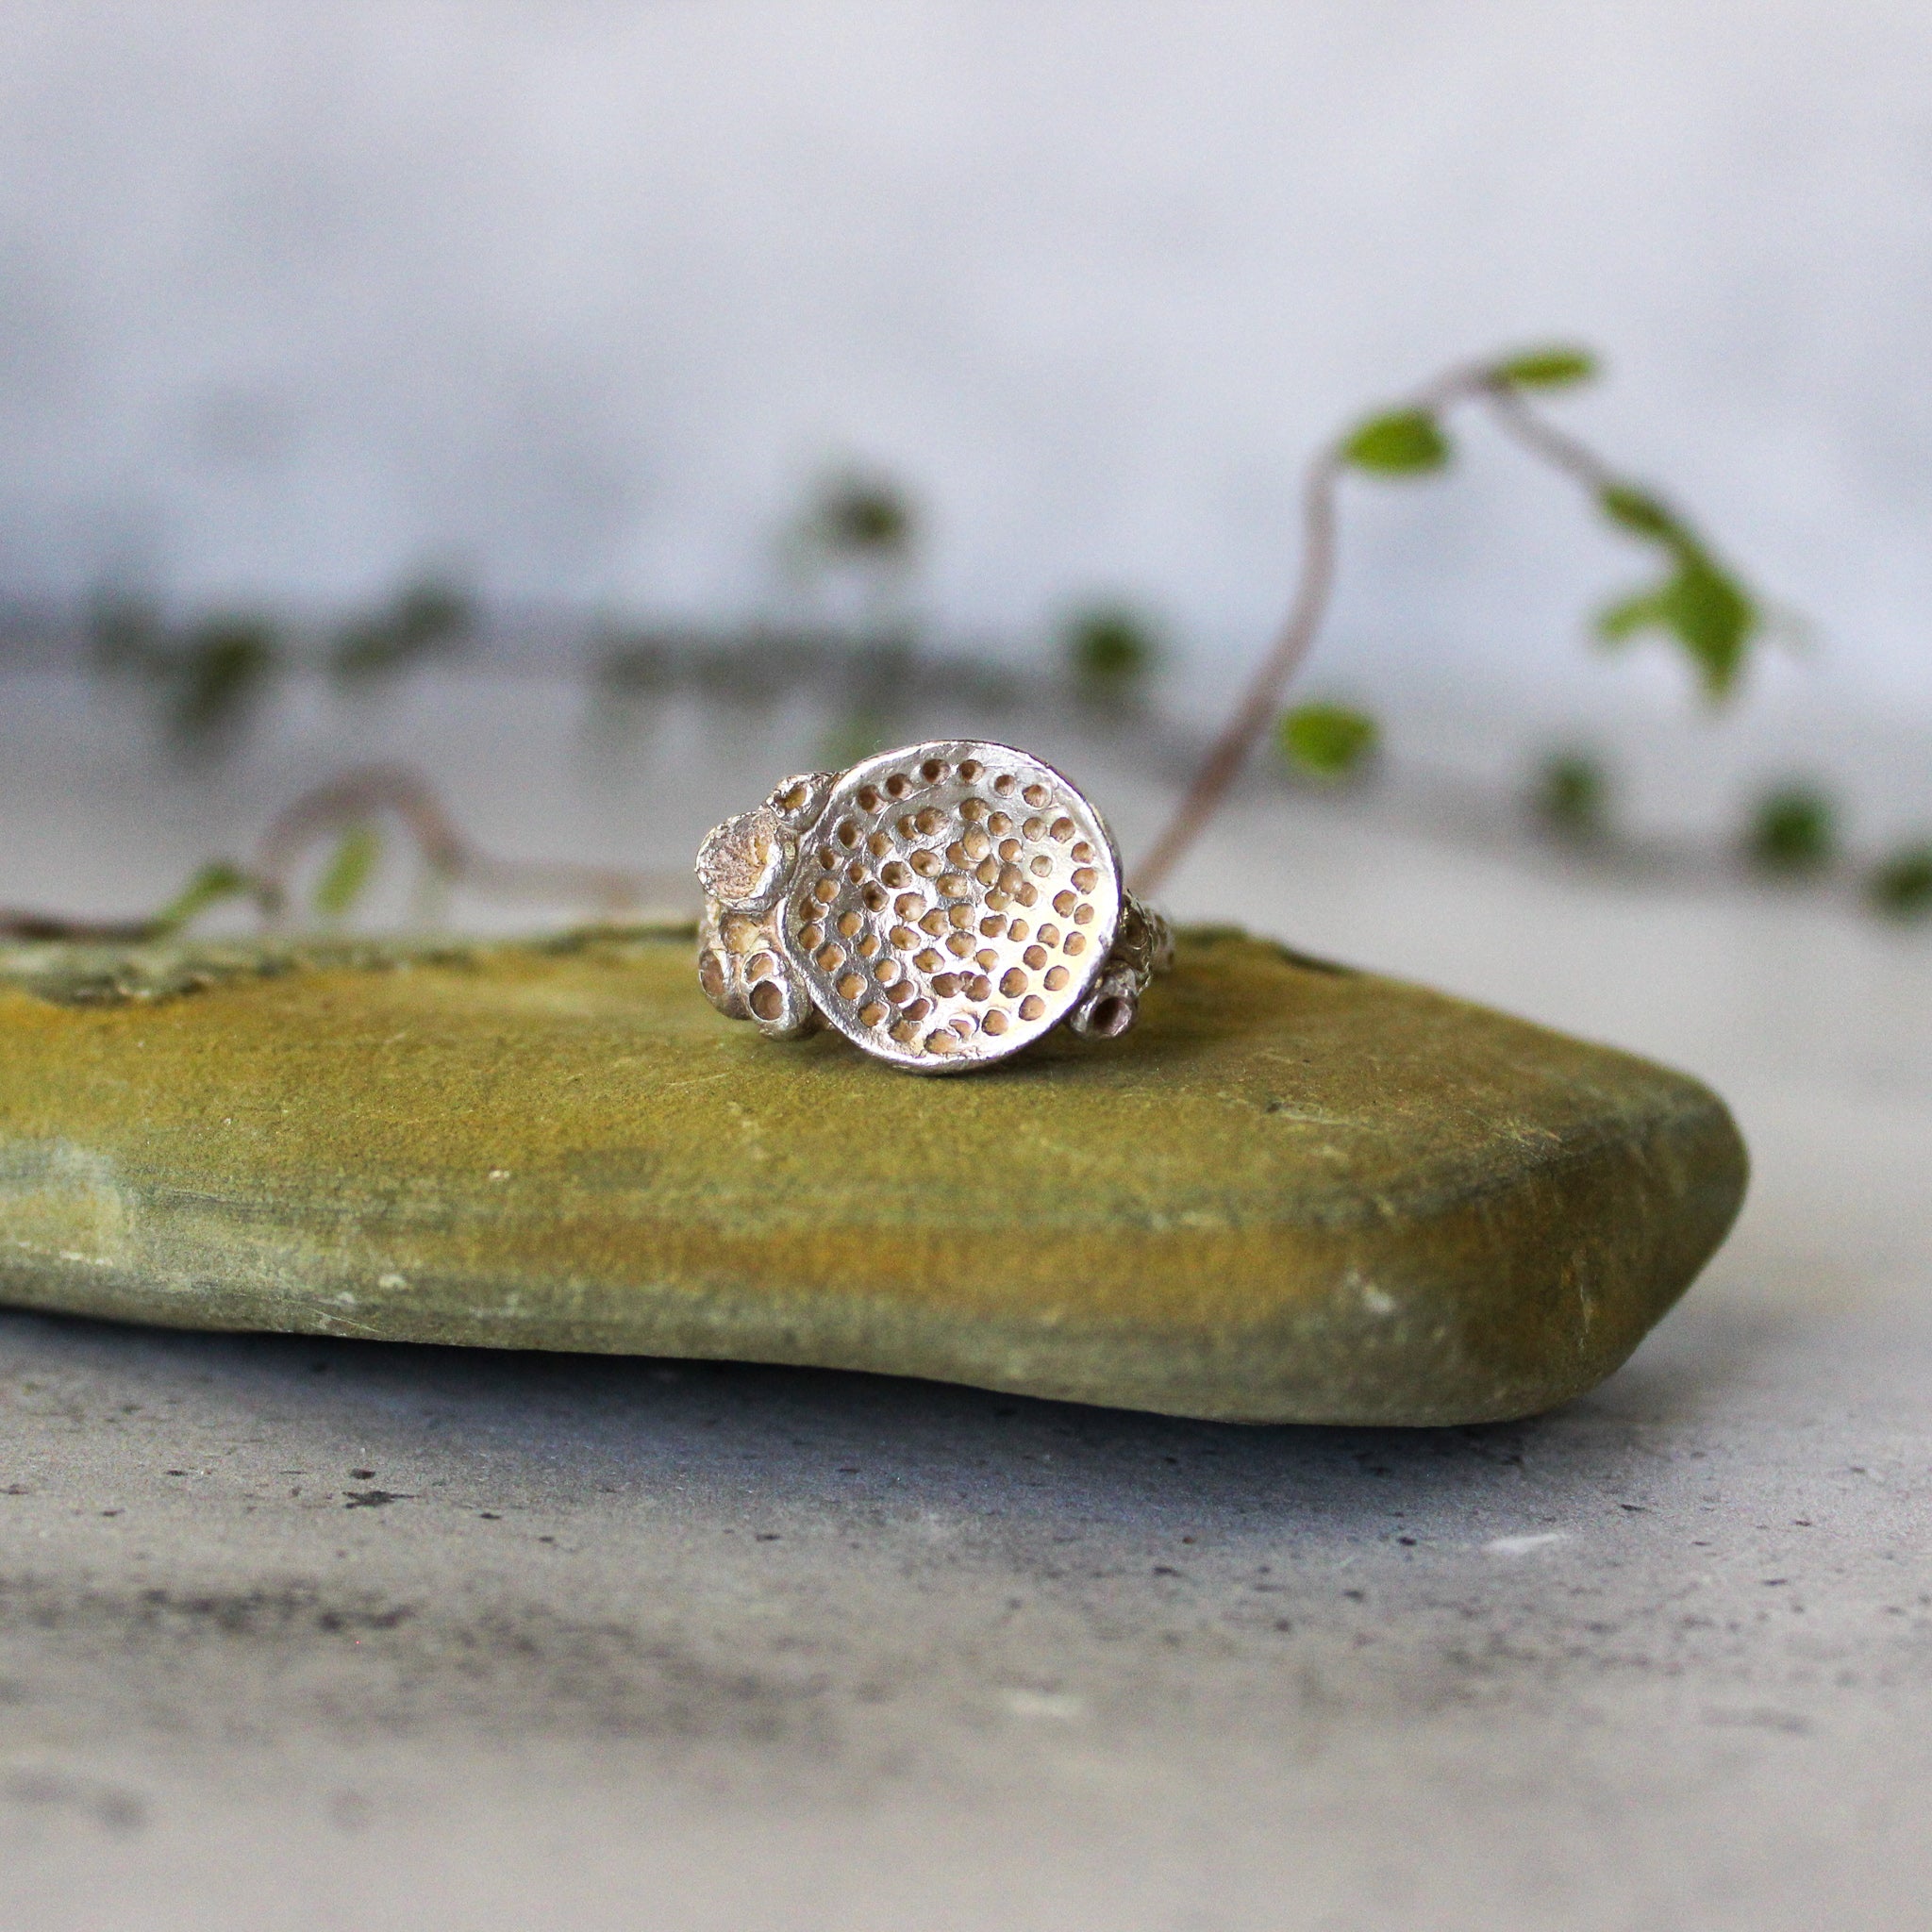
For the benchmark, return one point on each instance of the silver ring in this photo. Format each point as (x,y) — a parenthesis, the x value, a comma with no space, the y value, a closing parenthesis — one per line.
(941,906)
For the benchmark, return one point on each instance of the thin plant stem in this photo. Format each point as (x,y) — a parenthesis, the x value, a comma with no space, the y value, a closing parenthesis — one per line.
(1259,703)
(1217,772)
(450,856)
(1543,439)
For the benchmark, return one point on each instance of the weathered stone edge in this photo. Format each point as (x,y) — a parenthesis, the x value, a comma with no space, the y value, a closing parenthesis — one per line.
(75,975)
(1519,1341)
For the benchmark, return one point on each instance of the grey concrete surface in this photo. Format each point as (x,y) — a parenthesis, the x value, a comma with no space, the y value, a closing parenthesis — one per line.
(316,1635)
(341,1636)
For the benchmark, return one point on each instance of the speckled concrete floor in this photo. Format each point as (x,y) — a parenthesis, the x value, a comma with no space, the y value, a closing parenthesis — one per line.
(318,1635)
(335,1635)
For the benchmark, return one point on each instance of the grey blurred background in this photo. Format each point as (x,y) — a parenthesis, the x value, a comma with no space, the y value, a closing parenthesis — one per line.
(570,310)
(571,299)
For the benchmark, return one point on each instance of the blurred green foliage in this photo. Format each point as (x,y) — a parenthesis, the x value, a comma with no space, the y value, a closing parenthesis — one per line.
(1110,651)
(213,885)
(1698,602)
(1900,886)
(429,617)
(860,666)
(1403,442)
(1572,795)
(208,677)
(350,868)
(1553,367)
(207,680)
(1792,830)
(859,516)
(217,677)
(1327,741)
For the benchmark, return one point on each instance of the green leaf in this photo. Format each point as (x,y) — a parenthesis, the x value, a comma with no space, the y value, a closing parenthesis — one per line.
(347,871)
(1793,829)
(426,618)
(1327,740)
(862,517)
(1642,610)
(1715,617)
(1900,886)
(1110,650)
(1405,442)
(1572,796)
(1642,515)
(216,881)
(1701,606)
(1552,368)
(220,675)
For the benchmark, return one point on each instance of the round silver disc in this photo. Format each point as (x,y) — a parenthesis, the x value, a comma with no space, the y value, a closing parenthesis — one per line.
(953,902)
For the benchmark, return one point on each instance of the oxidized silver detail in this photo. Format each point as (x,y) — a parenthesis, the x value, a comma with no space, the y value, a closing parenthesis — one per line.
(1142,946)
(941,906)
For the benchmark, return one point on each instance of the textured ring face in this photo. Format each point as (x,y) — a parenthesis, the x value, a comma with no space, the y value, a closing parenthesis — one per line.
(953,902)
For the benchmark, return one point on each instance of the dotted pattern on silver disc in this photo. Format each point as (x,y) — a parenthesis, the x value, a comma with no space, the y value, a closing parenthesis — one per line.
(954,902)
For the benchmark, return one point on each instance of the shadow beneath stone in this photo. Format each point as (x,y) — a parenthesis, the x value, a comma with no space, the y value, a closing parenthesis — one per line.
(560,1429)
(821,1571)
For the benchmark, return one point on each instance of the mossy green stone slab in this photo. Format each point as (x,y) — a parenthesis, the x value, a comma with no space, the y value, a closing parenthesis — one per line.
(1294,1194)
